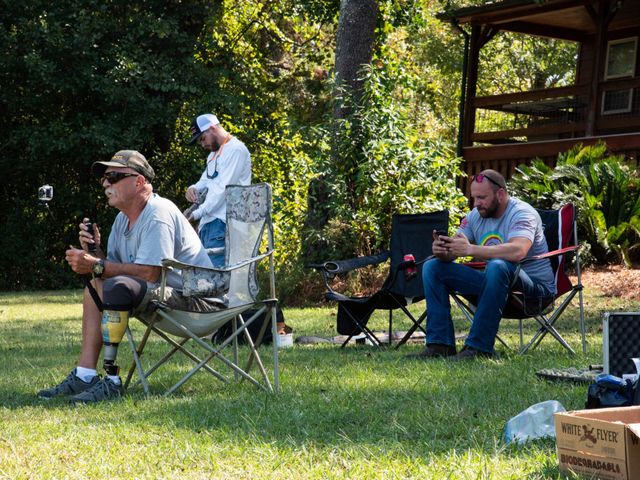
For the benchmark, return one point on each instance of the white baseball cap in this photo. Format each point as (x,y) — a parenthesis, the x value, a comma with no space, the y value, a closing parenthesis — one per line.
(201,124)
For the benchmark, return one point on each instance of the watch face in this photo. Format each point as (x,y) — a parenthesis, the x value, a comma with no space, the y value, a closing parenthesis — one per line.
(98,268)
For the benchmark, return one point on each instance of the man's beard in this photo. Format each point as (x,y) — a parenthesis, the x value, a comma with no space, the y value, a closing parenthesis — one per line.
(215,146)
(491,210)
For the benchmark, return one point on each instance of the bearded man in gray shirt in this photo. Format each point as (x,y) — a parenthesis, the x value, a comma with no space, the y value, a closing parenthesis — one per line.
(500,231)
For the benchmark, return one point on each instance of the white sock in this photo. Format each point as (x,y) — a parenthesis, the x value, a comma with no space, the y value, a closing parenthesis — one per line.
(86,374)
(115,379)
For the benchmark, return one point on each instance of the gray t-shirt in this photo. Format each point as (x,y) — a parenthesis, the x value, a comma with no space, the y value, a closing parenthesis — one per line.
(519,220)
(160,232)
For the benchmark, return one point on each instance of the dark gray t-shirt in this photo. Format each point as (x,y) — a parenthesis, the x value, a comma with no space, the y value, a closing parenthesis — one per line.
(519,220)
(160,232)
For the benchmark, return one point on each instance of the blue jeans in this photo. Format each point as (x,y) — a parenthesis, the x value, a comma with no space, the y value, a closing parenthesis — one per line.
(212,236)
(492,287)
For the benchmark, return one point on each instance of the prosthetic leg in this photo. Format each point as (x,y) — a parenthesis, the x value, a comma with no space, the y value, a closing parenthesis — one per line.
(121,295)
(114,324)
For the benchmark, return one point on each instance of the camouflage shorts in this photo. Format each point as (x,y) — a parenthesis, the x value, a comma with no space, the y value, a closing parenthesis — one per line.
(174,299)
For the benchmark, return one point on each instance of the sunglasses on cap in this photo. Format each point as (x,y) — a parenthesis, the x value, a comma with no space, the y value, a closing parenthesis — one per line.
(479,178)
(115,177)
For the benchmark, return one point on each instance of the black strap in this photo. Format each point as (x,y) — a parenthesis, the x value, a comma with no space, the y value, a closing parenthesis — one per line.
(93,293)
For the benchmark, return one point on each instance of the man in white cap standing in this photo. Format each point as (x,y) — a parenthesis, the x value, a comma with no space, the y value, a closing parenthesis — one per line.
(228,163)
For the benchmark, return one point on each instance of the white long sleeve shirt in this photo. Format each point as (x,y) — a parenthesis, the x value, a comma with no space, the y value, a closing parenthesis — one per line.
(233,165)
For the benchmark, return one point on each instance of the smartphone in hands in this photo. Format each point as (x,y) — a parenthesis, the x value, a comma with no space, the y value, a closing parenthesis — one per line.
(440,233)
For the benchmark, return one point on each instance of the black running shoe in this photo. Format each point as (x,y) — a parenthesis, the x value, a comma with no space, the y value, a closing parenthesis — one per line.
(69,386)
(105,389)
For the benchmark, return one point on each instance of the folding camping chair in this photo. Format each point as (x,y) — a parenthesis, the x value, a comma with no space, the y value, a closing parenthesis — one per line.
(560,230)
(248,219)
(410,234)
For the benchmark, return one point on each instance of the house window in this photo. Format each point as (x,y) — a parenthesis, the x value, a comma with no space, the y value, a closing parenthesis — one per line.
(621,58)
(621,62)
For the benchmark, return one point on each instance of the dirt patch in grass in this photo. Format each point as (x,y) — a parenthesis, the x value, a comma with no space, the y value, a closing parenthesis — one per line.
(613,280)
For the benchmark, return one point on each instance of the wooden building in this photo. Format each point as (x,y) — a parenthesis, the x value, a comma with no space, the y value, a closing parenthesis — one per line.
(603,104)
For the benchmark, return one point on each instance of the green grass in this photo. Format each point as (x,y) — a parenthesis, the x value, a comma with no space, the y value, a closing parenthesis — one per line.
(352,413)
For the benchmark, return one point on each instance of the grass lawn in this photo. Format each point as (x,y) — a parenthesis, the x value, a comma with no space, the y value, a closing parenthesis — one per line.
(351,413)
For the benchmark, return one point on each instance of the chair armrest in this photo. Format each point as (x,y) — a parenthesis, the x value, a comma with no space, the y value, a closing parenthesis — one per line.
(334,267)
(198,281)
(542,256)
(554,253)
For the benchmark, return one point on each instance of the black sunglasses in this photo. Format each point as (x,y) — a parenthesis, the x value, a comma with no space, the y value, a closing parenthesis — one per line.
(481,176)
(115,177)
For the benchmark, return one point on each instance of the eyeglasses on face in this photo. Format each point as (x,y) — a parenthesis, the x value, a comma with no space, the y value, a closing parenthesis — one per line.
(115,177)
(479,178)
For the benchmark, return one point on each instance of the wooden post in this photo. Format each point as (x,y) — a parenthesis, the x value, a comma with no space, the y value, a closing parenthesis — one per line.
(472,81)
(602,17)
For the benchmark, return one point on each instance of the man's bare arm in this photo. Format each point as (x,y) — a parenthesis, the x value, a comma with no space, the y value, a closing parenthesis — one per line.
(82,263)
(513,251)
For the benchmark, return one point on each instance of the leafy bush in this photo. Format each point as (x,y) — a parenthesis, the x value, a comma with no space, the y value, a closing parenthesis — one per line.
(379,165)
(604,188)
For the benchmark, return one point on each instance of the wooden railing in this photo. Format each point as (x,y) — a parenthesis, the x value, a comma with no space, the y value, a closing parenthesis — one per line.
(549,114)
(526,116)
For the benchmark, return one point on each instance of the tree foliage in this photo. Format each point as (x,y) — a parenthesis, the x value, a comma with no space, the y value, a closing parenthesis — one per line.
(83,79)
(605,190)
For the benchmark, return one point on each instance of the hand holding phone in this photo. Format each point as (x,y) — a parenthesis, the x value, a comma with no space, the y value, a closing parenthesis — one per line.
(439,233)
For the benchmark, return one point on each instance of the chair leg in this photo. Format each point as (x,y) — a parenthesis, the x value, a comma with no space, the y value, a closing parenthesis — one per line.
(583,332)
(215,353)
(364,329)
(416,324)
(234,323)
(547,326)
(137,364)
(137,353)
(521,334)
(263,329)
(201,363)
(254,353)
(468,310)
(179,347)
(270,319)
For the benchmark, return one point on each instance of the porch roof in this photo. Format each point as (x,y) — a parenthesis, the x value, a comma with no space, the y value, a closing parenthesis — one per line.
(575,23)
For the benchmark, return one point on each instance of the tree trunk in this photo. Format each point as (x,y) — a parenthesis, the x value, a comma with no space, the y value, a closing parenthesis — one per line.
(354,49)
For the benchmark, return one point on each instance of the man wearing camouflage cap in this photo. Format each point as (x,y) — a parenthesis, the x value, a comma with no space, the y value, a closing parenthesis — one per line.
(125,280)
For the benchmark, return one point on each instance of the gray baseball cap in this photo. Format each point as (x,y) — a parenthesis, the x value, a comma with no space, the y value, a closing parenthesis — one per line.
(126,158)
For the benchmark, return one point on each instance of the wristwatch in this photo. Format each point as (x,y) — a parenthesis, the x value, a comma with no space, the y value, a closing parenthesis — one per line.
(98,268)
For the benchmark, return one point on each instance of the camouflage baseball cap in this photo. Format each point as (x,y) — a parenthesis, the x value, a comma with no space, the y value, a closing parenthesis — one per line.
(126,158)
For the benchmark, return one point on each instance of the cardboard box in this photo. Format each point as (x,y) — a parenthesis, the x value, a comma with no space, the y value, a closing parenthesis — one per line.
(602,443)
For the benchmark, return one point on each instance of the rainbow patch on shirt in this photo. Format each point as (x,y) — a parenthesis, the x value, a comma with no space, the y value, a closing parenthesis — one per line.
(492,238)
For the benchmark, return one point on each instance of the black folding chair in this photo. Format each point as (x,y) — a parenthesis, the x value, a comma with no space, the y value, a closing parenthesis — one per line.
(410,234)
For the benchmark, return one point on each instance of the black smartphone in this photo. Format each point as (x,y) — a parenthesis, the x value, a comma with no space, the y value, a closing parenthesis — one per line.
(92,246)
